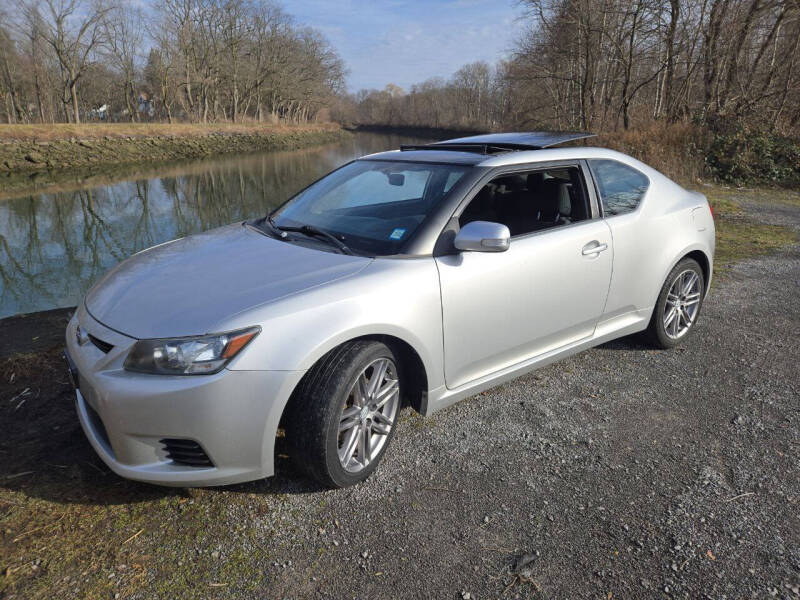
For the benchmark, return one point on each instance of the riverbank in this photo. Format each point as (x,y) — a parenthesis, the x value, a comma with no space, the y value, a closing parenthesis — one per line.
(433,133)
(37,156)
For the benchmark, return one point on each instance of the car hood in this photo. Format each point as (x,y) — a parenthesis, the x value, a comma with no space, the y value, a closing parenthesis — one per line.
(192,285)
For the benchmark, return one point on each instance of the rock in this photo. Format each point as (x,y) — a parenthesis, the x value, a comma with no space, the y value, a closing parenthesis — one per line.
(466,595)
(522,561)
(34,157)
(215,554)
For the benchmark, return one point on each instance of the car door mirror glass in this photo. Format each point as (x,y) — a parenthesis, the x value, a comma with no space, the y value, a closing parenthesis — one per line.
(483,236)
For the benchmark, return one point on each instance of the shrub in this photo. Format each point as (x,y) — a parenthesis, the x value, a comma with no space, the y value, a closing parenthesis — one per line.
(741,157)
(728,153)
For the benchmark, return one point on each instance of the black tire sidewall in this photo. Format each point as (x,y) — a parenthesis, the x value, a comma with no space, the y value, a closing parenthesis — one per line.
(314,428)
(337,472)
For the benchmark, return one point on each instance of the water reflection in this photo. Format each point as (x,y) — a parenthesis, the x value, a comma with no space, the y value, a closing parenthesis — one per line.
(54,246)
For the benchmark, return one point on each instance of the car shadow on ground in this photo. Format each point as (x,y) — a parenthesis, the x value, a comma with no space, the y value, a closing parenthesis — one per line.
(45,454)
(636,341)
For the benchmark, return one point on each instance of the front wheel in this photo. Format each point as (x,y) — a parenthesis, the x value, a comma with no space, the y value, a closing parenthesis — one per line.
(344,413)
(678,304)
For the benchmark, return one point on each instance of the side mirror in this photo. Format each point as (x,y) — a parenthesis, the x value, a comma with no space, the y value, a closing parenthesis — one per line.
(483,236)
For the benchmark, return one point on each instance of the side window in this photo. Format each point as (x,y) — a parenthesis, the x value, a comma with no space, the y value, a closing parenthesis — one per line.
(531,201)
(621,187)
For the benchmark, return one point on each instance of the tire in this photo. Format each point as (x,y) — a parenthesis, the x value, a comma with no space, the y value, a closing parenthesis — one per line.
(330,397)
(664,332)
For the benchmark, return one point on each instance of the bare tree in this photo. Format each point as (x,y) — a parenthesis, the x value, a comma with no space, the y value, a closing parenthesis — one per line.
(73,30)
(123,31)
(9,85)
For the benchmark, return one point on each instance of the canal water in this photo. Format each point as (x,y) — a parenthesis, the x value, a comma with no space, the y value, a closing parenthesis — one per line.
(53,246)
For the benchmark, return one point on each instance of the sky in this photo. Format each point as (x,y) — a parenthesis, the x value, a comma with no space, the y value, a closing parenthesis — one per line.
(407,41)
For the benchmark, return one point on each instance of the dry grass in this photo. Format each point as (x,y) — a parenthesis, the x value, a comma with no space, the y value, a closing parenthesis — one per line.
(66,131)
(677,150)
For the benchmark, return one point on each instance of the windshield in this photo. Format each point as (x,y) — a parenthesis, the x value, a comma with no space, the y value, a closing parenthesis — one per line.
(373,206)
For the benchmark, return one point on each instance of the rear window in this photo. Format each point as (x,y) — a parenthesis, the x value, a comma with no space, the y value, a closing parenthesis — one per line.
(621,187)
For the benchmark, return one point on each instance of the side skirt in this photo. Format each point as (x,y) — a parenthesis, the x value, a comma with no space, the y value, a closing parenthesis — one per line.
(620,326)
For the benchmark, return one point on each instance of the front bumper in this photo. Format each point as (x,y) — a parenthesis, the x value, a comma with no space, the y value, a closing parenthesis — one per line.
(232,415)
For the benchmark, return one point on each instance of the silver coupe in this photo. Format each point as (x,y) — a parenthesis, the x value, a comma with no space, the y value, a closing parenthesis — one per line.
(414,277)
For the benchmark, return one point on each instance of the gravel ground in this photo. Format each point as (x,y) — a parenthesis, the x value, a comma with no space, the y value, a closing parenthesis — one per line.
(622,472)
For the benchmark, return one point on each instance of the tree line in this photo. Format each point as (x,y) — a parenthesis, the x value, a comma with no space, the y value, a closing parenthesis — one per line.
(193,60)
(614,64)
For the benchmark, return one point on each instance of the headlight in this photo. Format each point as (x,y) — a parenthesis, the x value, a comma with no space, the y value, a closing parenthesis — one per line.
(188,356)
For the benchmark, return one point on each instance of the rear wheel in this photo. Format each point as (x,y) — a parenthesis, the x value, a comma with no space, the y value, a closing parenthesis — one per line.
(678,304)
(343,416)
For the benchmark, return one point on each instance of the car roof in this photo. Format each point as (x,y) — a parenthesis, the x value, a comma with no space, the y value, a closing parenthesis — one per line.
(509,158)
(476,149)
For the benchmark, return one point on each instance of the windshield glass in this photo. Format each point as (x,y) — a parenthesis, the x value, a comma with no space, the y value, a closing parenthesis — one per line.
(373,206)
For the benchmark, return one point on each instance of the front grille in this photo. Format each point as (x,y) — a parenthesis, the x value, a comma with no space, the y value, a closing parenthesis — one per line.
(186,452)
(104,347)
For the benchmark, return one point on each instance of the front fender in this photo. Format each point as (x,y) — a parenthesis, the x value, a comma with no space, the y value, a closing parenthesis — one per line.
(398,298)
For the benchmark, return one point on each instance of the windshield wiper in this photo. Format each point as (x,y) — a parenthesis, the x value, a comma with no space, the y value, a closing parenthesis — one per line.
(268,226)
(282,232)
(312,231)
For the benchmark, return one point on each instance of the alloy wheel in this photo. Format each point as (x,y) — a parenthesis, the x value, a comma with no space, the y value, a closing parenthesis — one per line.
(683,302)
(368,415)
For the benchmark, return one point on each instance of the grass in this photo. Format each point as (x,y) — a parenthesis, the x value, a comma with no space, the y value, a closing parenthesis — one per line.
(740,236)
(66,131)
(71,528)
(737,240)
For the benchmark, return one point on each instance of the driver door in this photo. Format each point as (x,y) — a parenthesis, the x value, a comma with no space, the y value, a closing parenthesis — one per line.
(545,292)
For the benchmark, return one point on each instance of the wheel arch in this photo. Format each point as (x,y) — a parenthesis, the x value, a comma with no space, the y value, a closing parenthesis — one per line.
(705,264)
(411,365)
(701,257)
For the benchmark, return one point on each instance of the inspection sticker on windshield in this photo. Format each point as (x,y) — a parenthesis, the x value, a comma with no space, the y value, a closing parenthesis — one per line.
(397,233)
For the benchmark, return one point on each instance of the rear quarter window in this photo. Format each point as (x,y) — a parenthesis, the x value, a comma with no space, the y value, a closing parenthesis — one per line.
(621,187)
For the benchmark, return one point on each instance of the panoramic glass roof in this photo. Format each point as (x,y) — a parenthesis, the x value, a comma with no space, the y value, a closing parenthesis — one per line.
(527,140)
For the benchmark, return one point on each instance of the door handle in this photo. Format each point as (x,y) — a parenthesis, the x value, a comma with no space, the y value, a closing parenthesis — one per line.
(593,248)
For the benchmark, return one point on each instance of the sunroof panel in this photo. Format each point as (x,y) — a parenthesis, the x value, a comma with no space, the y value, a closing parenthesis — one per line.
(518,140)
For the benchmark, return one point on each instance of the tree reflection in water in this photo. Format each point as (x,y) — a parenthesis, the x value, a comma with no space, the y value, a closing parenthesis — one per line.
(54,246)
